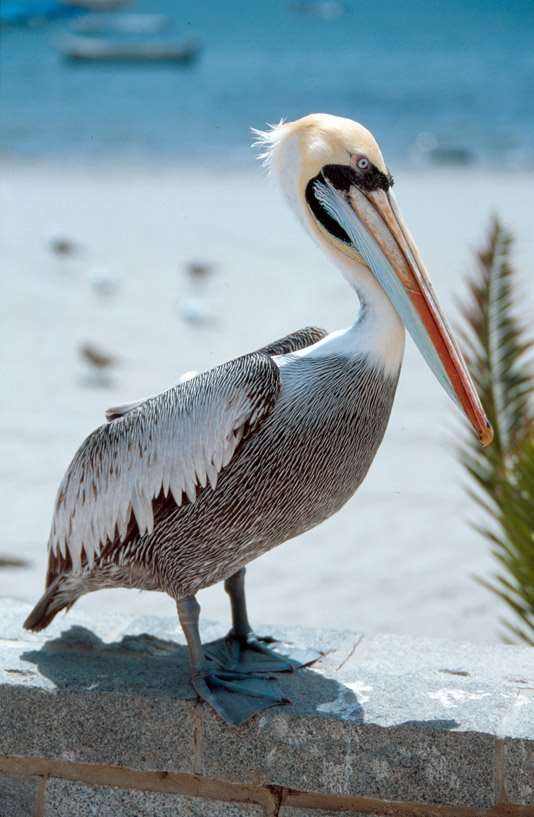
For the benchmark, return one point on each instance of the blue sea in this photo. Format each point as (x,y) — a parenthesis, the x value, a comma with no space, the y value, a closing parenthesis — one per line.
(435,81)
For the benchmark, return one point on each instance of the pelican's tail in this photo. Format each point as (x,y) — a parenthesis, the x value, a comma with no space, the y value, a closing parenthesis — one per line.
(51,602)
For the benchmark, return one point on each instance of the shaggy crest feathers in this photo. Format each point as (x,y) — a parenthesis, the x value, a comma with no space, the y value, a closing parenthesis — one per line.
(268,140)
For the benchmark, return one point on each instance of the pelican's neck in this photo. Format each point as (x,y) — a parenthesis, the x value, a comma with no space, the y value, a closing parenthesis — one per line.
(377,333)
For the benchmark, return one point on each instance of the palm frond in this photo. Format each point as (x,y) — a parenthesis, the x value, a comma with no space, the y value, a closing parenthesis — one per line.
(499,357)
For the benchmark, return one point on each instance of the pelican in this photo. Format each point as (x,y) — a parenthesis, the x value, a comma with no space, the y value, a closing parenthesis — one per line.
(183,489)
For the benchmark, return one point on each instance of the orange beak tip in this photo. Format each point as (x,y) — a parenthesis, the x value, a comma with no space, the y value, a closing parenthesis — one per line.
(486,436)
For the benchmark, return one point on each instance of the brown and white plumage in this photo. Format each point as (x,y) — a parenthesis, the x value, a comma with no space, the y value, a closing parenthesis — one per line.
(183,489)
(174,443)
(161,452)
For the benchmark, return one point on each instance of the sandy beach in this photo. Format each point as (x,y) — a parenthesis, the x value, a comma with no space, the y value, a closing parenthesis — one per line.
(401,557)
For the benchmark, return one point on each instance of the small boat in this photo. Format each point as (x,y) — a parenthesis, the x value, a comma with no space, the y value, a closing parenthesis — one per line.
(121,23)
(100,50)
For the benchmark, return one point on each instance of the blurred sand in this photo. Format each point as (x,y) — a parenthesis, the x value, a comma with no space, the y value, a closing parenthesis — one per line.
(401,556)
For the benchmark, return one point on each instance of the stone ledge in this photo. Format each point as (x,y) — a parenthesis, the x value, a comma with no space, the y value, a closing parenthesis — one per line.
(383,725)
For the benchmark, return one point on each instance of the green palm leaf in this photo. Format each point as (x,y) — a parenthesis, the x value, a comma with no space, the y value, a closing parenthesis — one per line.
(498,355)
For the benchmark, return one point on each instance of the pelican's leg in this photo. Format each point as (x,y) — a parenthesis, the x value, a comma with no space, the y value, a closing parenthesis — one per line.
(235,587)
(241,649)
(235,695)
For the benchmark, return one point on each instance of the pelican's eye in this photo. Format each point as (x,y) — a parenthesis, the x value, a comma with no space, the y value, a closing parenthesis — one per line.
(368,177)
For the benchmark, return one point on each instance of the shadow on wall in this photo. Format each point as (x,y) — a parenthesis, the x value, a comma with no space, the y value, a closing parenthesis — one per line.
(145,665)
(149,666)
(153,667)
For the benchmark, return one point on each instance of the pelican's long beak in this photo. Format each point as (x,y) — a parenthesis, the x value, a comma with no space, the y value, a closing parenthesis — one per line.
(376,230)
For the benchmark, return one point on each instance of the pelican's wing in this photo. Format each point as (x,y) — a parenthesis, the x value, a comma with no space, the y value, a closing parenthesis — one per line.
(295,341)
(123,408)
(283,346)
(176,442)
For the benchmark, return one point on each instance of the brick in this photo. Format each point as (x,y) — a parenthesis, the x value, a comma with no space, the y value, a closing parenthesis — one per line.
(519,772)
(307,811)
(64,798)
(18,795)
(347,758)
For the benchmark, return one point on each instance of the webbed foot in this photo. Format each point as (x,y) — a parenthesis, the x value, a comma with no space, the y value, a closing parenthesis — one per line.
(237,696)
(233,673)
(251,654)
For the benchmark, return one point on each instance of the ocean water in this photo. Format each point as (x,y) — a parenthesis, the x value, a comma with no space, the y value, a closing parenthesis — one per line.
(435,81)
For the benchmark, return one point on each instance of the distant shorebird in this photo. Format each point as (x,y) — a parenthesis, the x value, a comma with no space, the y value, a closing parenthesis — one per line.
(59,243)
(97,358)
(199,270)
(186,488)
(11,561)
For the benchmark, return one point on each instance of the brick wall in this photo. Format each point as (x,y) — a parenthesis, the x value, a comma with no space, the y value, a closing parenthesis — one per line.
(97,717)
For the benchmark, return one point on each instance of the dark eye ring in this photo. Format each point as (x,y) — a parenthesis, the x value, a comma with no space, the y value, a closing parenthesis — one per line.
(363,163)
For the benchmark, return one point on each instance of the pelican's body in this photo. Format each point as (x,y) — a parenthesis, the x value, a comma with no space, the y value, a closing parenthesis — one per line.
(305,461)
(184,489)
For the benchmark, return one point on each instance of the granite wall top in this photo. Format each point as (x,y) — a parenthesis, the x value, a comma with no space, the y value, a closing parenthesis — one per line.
(106,701)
